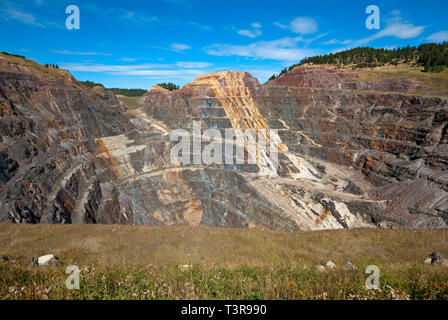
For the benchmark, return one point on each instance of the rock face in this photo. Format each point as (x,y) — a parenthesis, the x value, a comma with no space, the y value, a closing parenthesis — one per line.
(349,154)
(48,152)
(398,141)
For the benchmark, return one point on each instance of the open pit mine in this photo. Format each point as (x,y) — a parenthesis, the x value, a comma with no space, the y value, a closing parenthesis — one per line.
(351,153)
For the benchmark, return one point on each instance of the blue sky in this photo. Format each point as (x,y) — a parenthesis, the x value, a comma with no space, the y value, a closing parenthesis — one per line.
(136,44)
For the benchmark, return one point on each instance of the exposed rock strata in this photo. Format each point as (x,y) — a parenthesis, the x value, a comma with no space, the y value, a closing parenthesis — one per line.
(348,157)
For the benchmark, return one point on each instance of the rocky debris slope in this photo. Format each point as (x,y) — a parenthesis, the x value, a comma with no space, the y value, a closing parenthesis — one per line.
(347,157)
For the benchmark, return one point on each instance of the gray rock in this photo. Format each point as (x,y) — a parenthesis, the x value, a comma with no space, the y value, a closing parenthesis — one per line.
(330,265)
(348,265)
(438,259)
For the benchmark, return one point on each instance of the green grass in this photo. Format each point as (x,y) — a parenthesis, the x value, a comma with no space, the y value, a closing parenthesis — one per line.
(199,282)
(144,262)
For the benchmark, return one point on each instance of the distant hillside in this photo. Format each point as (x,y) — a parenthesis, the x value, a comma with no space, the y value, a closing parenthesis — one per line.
(432,56)
(117,91)
(90,84)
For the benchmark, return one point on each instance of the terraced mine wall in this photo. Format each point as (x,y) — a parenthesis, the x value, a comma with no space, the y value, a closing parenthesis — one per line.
(349,153)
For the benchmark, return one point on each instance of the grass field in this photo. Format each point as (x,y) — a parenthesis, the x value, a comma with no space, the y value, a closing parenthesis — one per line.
(143,262)
(434,84)
(131,102)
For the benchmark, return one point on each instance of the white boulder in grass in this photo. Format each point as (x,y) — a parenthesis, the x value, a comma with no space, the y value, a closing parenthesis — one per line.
(46,260)
(330,265)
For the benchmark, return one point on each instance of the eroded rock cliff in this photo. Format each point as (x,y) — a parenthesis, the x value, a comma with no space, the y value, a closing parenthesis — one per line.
(350,152)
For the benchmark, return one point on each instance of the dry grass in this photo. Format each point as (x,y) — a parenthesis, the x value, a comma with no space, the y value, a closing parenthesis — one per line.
(434,84)
(144,262)
(131,102)
(33,67)
(142,245)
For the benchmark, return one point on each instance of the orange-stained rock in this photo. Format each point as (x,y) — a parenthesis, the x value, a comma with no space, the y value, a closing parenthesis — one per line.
(351,152)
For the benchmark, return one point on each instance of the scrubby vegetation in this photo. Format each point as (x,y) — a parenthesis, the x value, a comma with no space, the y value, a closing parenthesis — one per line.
(432,57)
(128,92)
(169,86)
(117,91)
(51,65)
(90,84)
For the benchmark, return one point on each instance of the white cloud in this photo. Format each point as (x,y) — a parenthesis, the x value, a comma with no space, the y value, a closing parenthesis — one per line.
(125,59)
(300,25)
(186,68)
(396,27)
(438,36)
(158,72)
(303,25)
(281,26)
(200,65)
(401,31)
(120,15)
(284,49)
(11,13)
(250,33)
(335,41)
(79,53)
(95,67)
(255,32)
(179,46)
(200,26)
(136,17)
(180,71)
(395,30)
(394,17)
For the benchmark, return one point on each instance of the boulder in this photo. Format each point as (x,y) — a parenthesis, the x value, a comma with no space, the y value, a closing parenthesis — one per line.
(330,265)
(48,260)
(438,259)
(428,261)
(348,265)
